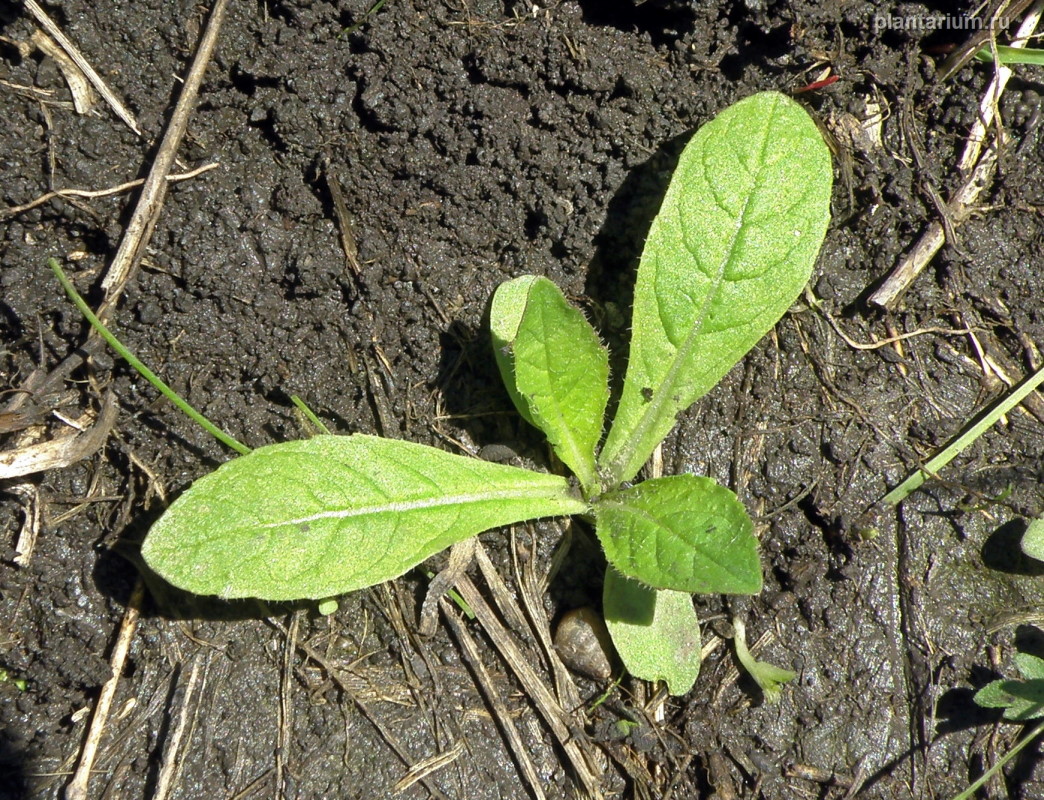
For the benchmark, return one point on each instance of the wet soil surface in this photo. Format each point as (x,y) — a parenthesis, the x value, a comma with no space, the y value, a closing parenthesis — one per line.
(473,142)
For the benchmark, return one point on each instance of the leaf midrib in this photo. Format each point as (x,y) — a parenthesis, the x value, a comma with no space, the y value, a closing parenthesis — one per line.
(561,503)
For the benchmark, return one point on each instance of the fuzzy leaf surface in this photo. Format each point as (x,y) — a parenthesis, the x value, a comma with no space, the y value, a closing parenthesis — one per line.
(555,367)
(322,516)
(1033,539)
(656,632)
(733,244)
(681,532)
(1021,700)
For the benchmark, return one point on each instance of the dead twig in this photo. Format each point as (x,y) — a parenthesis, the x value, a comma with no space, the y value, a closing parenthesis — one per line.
(171,762)
(958,208)
(500,712)
(70,49)
(11,211)
(430,766)
(344,220)
(154,191)
(991,98)
(390,739)
(570,738)
(77,788)
(79,85)
(286,706)
(30,530)
(63,450)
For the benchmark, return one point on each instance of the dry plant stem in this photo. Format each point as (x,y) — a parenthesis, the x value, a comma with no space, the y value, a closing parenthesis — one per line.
(888,294)
(541,697)
(55,32)
(77,788)
(959,209)
(429,766)
(30,495)
(500,711)
(63,450)
(286,707)
(11,211)
(387,735)
(171,761)
(344,220)
(988,105)
(79,86)
(531,590)
(505,602)
(150,203)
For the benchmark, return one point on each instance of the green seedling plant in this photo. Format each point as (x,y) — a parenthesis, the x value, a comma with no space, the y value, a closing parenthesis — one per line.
(733,244)
(1022,701)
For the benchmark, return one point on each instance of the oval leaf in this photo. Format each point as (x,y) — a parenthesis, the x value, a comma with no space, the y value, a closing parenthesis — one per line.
(555,368)
(733,244)
(681,532)
(1033,539)
(656,633)
(323,516)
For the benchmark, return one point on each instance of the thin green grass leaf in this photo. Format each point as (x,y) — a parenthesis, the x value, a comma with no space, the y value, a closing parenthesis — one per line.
(974,431)
(1011,55)
(309,415)
(968,793)
(142,370)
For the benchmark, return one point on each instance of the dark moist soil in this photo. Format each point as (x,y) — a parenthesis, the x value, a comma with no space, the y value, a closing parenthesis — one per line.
(473,142)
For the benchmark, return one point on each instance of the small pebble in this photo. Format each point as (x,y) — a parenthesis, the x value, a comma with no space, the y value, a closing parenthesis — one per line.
(584,645)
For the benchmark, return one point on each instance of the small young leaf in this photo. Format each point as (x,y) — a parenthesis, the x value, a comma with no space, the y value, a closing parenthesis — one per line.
(1030,666)
(681,532)
(768,677)
(732,246)
(322,516)
(992,695)
(555,368)
(1021,700)
(1033,539)
(655,632)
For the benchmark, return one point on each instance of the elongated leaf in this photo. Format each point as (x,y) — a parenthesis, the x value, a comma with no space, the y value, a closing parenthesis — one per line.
(682,532)
(655,632)
(733,244)
(555,368)
(326,515)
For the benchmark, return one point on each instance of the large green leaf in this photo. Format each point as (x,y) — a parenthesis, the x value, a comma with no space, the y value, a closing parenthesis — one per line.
(682,532)
(322,516)
(555,368)
(655,632)
(733,244)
